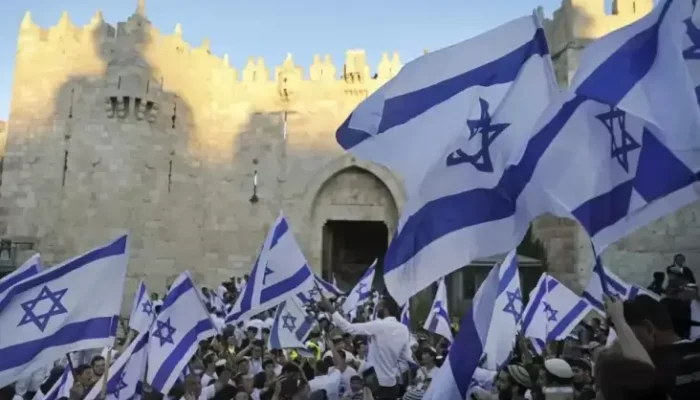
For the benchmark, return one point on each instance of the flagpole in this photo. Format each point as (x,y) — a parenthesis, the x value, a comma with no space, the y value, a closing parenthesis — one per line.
(105,375)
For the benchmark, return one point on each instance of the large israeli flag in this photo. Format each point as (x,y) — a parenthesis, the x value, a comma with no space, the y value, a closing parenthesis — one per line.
(553,311)
(464,207)
(182,323)
(454,379)
(125,379)
(280,271)
(60,389)
(507,315)
(291,326)
(142,311)
(438,320)
(626,171)
(604,281)
(361,293)
(55,312)
(30,268)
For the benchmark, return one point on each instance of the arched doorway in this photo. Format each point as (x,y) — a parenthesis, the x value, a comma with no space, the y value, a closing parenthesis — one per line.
(353,215)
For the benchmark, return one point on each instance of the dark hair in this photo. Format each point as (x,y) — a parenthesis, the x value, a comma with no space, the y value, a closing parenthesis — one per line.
(54,376)
(267,362)
(290,387)
(80,369)
(259,380)
(679,312)
(322,366)
(289,368)
(620,378)
(644,308)
(96,359)
(209,358)
(391,306)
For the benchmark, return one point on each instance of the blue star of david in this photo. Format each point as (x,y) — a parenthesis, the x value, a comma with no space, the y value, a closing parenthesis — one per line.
(164,332)
(289,322)
(267,272)
(489,132)
(610,119)
(360,288)
(692,52)
(119,385)
(314,291)
(147,307)
(42,320)
(551,313)
(511,307)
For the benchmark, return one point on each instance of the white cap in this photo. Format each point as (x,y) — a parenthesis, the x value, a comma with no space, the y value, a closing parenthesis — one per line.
(559,368)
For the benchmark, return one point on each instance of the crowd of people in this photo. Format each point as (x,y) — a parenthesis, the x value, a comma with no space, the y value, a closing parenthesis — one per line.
(654,354)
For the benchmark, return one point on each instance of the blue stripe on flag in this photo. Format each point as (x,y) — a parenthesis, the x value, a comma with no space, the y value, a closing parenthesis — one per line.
(280,229)
(175,292)
(12,280)
(95,328)
(283,286)
(116,248)
(274,333)
(174,358)
(564,323)
(304,329)
(401,109)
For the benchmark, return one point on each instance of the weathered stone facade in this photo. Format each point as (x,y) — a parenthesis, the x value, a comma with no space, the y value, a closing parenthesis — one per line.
(128,128)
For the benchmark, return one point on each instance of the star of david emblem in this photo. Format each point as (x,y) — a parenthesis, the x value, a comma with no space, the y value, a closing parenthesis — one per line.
(618,117)
(360,288)
(551,313)
(511,307)
(147,307)
(267,272)
(42,319)
(119,385)
(488,131)
(692,52)
(314,291)
(164,332)
(289,322)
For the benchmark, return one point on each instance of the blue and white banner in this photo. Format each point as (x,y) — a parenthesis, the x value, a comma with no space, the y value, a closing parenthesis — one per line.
(291,326)
(406,315)
(603,281)
(30,268)
(182,323)
(454,379)
(438,320)
(60,389)
(142,312)
(280,271)
(361,293)
(507,315)
(464,207)
(55,312)
(320,288)
(126,374)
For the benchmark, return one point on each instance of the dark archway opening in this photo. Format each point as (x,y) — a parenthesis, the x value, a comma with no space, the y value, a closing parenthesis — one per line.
(350,247)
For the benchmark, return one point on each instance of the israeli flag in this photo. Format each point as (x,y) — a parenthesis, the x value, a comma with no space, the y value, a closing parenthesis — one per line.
(321,288)
(553,311)
(30,268)
(603,281)
(126,374)
(60,389)
(182,323)
(507,314)
(54,312)
(453,380)
(280,271)
(626,171)
(142,312)
(465,206)
(291,326)
(361,293)
(406,315)
(438,320)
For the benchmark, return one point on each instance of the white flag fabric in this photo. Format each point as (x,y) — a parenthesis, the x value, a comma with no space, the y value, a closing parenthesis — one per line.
(464,207)
(55,312)
(626,171)
(438,320)
(182,323)
(455,378)
(406,315)
(553,311)
(614,285)
(507,315)
(291,326)
(126,374)
(361,293)
(142,311)
(61,388)
(280,271)
(30,268)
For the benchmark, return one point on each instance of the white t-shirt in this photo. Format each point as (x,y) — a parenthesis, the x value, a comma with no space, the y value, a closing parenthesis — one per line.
(330,383)
(207,393)
(345,379)
(348,356)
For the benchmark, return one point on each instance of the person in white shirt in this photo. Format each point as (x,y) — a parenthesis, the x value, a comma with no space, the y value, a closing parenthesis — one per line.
(195,391)
(339,345)
(256,362)
(209,374)
(389,342)
(428,367)
(328,378)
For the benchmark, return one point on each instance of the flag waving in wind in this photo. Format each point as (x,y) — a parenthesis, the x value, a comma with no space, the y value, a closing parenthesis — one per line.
(60,389)
(614,286)
(361,293)
(54,312)
(182,323)
(438,320)
(463,209)
(142,312)
(507,315)
(126,374)
(291,326)
(30,268)
(280,271)
(453,380)
(406,315)
(320,289)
